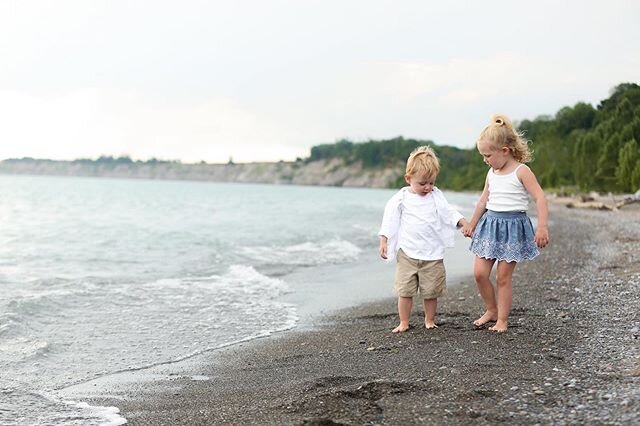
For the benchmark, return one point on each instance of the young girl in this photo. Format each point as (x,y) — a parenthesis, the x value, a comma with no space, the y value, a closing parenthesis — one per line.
(500,228)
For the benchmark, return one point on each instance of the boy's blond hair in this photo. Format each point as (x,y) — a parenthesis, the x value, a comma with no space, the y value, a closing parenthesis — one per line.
(500,132)
(423,162)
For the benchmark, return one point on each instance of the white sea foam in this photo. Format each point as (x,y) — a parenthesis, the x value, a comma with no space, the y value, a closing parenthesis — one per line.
(109,416)
(238,279)
(304,254)
(200,378)
(21,406)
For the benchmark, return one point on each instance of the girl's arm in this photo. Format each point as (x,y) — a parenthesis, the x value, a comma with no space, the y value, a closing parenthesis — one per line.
(532,186)
(481,207)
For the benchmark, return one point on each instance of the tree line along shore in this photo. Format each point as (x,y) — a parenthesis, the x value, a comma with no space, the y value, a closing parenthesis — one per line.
(580,148)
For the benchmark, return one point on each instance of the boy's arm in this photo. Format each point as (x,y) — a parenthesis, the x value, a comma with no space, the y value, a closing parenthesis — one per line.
(383,246)
(462,223)
(457,219)
(390,217)
(387,218)
(387,227)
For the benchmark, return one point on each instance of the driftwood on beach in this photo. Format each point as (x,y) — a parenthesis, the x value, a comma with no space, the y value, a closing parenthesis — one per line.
(591,203)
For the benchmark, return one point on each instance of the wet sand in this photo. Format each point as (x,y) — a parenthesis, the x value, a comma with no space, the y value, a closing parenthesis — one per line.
(571,354)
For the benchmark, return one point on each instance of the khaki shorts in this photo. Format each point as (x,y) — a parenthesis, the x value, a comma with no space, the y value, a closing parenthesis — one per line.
(428,276)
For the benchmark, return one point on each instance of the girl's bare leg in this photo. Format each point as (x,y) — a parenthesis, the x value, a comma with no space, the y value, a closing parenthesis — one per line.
(504,275)
(430,306)
(404,311)
(481,273)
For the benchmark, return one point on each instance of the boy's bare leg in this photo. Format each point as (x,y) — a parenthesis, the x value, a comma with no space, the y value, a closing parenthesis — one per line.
(504,288)
(404,311)
(430,306)
(481,273)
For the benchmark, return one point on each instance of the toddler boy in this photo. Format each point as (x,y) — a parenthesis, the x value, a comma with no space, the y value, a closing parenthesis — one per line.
(419,224)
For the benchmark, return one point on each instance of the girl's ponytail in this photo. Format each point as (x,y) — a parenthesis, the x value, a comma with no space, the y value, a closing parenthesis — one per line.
(500,132)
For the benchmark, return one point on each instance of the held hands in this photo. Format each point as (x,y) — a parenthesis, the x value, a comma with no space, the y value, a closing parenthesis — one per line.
(542,236)
(467,229)
(383,247)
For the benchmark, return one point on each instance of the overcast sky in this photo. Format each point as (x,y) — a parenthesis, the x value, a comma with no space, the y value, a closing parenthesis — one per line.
(266,80)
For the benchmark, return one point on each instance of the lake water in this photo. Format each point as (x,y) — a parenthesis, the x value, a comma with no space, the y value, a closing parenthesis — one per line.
(100,276)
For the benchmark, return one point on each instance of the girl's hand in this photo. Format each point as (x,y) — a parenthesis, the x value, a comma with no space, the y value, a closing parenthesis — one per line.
(383,247)
(542,236)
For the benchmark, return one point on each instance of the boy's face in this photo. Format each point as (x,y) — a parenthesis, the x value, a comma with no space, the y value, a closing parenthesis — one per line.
(421,185)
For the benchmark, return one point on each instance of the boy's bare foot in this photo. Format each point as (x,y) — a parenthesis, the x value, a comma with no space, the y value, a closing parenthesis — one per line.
(429,325)
(401,328)
(500,327)
(488,316)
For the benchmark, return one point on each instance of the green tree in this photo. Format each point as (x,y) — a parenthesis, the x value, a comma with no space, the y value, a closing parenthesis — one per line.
(581,116)
(635,177)
(608,163)
(585,157)
(628,157)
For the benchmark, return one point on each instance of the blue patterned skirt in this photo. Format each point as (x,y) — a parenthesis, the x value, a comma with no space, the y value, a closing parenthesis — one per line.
(504,236)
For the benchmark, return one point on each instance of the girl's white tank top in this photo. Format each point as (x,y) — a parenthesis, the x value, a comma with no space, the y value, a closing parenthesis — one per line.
(506,192)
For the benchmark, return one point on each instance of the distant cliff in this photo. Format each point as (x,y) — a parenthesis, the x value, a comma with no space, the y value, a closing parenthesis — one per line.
(328,172)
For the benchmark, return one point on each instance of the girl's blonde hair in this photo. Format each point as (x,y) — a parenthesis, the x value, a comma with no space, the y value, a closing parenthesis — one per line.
(423,162)
(500,132)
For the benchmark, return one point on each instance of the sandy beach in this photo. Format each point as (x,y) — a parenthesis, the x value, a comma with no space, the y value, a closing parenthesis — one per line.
(571,355)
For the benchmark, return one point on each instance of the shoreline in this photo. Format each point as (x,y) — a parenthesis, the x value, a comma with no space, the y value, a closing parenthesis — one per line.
(571,355)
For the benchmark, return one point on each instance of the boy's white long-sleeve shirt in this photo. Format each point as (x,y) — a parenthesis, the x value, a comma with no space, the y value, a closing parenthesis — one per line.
(445,226)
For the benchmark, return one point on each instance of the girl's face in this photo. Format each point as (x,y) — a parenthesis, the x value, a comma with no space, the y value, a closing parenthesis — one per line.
(494,157)
(421,185)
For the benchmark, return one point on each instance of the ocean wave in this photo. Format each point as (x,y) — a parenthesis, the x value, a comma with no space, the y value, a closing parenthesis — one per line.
(43,292)
(22,348)
(304,254)
(7,323)
(243,279)
(154,322)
